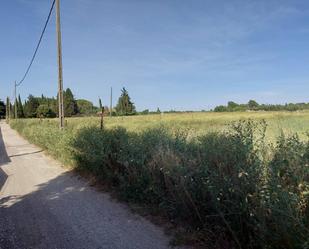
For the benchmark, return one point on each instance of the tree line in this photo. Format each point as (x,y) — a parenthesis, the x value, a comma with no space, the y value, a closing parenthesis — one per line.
(47,107)
(2,109)
(253,105)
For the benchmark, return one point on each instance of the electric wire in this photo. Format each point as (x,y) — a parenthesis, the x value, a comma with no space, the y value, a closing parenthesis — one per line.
(38,45)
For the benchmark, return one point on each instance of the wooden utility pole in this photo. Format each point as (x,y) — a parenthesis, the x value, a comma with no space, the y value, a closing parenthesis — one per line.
(111,103)
(60,76)
(15,103)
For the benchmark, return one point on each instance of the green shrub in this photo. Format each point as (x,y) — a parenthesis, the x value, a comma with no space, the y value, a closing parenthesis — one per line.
(288,195)
(232,188)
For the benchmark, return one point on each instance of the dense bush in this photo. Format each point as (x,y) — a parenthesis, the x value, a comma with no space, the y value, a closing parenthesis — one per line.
(231,188)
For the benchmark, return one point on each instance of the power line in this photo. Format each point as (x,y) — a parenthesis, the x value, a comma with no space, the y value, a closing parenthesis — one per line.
(38,45)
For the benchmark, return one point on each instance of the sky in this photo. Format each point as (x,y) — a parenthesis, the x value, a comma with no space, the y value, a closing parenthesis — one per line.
(171,54)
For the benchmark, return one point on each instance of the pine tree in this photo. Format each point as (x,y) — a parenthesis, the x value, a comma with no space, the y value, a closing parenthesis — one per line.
(125,106)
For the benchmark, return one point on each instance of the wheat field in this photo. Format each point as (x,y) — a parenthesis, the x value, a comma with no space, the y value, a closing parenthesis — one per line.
(199,123)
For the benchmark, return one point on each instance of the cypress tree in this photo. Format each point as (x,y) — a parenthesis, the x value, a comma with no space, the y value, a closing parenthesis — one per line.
(100,104)
(31,107)
(20,108)
(125,106)
(7,108)
(70,105)
(2,109)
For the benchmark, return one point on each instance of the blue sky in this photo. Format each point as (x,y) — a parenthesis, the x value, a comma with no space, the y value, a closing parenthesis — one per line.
(172,54)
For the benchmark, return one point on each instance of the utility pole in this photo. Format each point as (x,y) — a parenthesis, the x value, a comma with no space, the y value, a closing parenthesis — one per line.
(111,103)
(15,103)
(60,76)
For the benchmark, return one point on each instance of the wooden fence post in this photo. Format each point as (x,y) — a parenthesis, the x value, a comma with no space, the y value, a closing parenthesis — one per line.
(102,114)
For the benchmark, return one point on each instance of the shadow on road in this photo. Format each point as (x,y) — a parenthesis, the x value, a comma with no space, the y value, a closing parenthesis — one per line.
(28,221)
(65,213)
(4,159)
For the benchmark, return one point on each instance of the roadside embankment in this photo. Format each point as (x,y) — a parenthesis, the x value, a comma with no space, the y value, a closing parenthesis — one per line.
(229,189)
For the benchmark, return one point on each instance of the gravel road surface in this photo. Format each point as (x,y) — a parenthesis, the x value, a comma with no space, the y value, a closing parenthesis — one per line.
(42,205)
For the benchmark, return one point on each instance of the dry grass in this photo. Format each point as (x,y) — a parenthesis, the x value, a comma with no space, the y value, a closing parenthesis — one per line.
(251,190)
(203,122)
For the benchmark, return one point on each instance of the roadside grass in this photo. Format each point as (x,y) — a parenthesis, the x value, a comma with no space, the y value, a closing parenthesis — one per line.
(229,183)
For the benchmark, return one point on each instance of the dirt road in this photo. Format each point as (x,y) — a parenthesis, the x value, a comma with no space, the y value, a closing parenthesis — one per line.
(45,206)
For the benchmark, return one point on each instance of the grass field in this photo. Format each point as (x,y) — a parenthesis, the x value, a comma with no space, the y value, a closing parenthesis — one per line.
(204,122)
(233,186)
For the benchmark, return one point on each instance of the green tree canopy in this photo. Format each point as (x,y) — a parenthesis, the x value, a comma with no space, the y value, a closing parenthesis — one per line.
(252,104)
(8,106)
(70,105)
(232,105)
(31,107)
(220,108)
(2,109)
(85,106)
(125,106)
(20,108)
(44,111)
